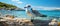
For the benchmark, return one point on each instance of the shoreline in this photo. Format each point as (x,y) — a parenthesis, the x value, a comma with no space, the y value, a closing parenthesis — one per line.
(26,21)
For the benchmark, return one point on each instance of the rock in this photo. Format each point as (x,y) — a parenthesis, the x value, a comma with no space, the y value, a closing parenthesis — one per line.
(58,23)
(9,16)
(2,23)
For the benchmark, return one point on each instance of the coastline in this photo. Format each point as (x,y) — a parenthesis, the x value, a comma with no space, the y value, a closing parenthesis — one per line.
(21,21)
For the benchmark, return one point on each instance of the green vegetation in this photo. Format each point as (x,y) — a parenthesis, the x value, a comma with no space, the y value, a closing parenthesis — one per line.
(9,7)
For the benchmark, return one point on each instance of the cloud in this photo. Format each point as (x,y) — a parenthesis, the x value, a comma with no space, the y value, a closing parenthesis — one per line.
(17,1)
(46,8)
(57,8)
(28,4)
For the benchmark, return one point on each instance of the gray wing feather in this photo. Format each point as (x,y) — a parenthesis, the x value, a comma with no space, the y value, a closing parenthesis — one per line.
(38,14)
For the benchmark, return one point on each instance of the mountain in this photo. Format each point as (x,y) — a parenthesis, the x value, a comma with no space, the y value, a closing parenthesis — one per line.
(8,6)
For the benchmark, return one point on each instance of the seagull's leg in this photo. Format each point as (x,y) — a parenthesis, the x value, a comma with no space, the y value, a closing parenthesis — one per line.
(32,19)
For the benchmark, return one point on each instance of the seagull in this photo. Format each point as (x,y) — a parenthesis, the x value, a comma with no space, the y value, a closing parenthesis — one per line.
(33,13)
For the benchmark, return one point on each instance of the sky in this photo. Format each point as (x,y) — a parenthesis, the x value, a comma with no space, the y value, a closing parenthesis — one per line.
(36,4)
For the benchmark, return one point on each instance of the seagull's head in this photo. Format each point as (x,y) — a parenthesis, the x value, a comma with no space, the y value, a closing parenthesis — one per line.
(27,6)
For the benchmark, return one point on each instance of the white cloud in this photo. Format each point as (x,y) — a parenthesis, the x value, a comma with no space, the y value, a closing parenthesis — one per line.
(17,1)
(57,8)
(46,8)
(27,5)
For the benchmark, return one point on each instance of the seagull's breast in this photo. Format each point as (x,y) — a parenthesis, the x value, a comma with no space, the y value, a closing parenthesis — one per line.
(29,13)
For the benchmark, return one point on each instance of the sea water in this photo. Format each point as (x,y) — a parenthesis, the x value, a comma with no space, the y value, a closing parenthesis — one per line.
(22,14)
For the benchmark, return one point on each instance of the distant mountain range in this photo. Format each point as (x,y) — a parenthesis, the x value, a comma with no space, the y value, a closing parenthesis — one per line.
(54,10)
(8,6)
(57,9)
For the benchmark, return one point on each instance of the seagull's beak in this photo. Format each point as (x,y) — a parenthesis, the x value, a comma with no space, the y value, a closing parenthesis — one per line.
(25,7)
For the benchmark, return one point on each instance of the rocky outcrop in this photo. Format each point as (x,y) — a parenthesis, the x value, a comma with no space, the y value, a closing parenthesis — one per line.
(16,22)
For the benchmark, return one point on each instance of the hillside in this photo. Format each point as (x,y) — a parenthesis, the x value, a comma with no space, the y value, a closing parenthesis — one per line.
(8,6)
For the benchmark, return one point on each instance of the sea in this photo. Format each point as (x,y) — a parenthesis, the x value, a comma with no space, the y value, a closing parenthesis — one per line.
(22,14)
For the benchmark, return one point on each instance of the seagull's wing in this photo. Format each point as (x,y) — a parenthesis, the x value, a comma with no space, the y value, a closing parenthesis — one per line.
(37,13)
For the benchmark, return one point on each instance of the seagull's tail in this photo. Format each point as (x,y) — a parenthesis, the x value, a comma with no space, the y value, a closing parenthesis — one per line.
(43,15)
